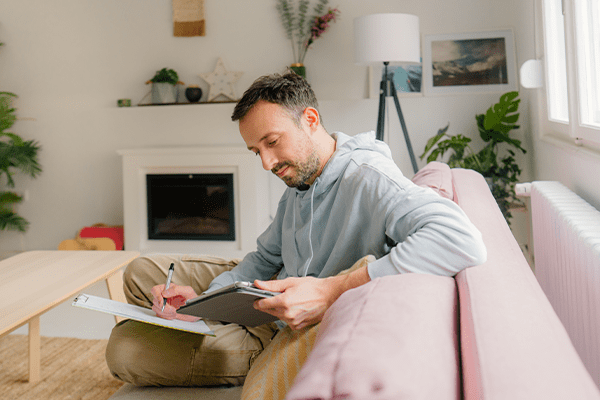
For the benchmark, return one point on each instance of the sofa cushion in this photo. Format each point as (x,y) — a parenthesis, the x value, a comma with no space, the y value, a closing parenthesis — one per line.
(393,338)
(273,372)
(436,176)
(275,369)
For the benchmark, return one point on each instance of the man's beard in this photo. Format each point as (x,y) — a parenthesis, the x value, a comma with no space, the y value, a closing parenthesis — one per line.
(304,169)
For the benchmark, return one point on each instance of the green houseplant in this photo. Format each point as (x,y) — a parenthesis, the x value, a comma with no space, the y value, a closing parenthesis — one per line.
(496,160)
(164,86)
(16,155)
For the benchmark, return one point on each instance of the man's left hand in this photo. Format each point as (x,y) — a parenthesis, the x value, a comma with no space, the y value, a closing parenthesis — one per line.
(303,301)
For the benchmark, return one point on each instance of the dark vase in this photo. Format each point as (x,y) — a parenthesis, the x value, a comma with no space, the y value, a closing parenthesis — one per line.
(193,94)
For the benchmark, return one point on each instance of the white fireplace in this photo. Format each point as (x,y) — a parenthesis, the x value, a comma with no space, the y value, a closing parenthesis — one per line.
(251,194)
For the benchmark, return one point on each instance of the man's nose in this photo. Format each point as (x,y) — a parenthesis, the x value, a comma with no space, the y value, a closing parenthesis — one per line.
(268,160)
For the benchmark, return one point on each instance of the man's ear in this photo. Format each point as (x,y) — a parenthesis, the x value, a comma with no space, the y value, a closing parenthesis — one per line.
(312,117)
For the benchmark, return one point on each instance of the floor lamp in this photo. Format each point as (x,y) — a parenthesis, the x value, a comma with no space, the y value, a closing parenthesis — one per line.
(388,38)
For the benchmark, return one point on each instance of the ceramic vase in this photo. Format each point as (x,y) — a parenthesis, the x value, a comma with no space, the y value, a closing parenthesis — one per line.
(193,94)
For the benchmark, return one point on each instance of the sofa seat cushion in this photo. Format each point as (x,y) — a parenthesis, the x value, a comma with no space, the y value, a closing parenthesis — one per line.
(392,338)
(273,372)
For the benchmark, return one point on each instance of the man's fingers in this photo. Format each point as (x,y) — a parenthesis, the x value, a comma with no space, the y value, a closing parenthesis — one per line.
(274,285)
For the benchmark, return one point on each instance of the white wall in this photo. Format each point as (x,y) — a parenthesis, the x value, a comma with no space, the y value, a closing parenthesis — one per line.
(70,60)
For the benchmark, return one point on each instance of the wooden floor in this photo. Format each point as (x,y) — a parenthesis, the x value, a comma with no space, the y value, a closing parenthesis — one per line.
(71,369)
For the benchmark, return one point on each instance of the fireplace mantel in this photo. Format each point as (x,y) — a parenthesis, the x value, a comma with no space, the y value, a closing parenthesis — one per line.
(251,196)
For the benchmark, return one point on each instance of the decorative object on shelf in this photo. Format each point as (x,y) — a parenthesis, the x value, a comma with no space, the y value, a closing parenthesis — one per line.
(302,30)
(221,82)
(193,93)
(124,102)
(385,38)
(494,128)
(164,86)
(469,62)
(188,18)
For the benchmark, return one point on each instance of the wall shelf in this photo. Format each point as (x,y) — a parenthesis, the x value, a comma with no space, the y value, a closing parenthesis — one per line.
(184,104)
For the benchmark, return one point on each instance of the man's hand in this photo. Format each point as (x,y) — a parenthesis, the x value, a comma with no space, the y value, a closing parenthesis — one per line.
(176,297)
(303,301)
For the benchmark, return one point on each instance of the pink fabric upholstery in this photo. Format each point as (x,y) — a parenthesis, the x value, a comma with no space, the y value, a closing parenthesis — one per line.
(437,176)
(393,338)
(513,344)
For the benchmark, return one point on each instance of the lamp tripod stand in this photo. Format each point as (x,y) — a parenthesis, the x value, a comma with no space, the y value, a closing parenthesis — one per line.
(387,81)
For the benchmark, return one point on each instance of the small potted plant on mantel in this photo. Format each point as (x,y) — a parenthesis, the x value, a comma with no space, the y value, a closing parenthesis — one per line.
(164,86)
(501,171)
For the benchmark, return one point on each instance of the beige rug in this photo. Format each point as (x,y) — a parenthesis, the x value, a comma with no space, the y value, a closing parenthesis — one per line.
(71,369)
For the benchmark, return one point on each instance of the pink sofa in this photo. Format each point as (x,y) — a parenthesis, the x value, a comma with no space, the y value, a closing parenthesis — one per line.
(488,333)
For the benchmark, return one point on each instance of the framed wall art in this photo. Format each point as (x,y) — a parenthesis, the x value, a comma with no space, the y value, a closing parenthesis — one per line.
(469,62)
(407,79)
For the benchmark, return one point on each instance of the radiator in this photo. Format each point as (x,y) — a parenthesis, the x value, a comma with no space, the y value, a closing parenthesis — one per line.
(566,241)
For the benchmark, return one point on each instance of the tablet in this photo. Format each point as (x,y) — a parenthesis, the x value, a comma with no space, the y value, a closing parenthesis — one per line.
(233,303)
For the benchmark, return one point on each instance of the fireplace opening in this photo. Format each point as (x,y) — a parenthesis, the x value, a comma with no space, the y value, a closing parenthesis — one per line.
(190,207)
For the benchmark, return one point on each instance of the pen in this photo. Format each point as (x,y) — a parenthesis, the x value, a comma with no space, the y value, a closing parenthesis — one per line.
(171,268)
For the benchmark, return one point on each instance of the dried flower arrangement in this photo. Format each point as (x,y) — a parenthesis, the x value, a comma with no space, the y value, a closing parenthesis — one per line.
(302,30)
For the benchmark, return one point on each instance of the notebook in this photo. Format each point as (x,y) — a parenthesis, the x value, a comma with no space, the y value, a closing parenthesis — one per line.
(138,313)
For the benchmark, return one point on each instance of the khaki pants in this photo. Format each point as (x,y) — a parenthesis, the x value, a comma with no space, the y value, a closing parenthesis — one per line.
(150,355)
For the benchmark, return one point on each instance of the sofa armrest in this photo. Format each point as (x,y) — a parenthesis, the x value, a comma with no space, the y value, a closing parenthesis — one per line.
(513,345)
(394,337)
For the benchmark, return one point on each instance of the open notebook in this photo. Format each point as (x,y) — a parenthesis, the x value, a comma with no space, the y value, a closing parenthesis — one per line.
(138,313)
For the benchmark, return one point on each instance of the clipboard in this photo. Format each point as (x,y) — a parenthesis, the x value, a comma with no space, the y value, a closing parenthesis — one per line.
(232,303)
(138,313)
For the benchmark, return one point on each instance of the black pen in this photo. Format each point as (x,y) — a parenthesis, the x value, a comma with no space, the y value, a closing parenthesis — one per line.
(169,277)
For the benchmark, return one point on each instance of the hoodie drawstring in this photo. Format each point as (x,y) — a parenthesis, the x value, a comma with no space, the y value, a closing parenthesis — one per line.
(312,197)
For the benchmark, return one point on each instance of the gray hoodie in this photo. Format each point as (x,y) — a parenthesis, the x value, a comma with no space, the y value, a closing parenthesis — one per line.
(361,204)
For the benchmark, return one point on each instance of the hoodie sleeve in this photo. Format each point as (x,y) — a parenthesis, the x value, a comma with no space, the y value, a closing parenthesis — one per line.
(429,234)
(261,264)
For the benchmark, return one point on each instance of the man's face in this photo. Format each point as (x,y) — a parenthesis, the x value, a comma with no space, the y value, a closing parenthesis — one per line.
(284,148)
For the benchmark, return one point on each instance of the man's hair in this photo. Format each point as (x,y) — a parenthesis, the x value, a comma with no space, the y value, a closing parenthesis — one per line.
(289,90)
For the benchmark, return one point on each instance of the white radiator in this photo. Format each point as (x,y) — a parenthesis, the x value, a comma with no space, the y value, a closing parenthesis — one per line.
(566,241)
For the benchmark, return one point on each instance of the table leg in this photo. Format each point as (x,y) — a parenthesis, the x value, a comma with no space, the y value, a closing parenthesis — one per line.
(115,289)
(34,349)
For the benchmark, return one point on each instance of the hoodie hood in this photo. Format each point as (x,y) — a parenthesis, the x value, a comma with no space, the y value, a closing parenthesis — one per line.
(345,150)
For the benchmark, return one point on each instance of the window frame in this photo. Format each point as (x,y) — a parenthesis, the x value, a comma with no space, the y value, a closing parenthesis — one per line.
(574,128)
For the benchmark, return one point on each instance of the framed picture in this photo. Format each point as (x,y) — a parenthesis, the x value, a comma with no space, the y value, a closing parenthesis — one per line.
(469,62)
(407,80)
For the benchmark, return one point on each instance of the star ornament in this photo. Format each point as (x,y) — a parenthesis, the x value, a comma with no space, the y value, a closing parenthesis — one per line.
(221,82)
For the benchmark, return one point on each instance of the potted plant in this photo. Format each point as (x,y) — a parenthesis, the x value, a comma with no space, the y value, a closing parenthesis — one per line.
(164,86)
(303,30)
(496,160)
(16,154)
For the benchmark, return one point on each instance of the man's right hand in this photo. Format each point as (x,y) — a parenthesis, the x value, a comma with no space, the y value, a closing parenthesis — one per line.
(176,297)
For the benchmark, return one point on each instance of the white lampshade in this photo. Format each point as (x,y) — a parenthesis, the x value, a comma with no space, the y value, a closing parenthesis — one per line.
(393,38)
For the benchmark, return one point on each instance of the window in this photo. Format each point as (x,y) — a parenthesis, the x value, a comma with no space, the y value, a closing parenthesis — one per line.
(572,38)
(556,62)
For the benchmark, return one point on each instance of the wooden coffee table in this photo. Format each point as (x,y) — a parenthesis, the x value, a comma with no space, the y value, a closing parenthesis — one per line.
(34,282)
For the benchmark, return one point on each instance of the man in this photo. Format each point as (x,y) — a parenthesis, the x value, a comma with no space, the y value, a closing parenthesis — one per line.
(346,199)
